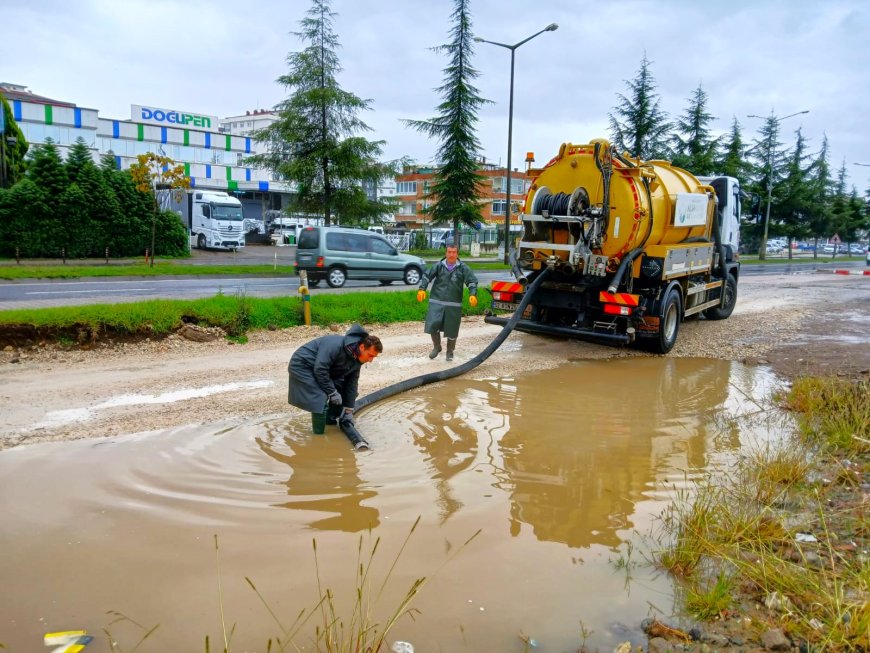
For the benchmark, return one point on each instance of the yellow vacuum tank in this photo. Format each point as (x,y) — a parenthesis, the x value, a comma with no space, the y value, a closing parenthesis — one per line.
(650,203)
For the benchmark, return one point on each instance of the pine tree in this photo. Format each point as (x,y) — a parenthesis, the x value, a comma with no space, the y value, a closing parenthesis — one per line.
(694,147)
(638,125)
(78,156)
(456,188)
(819,219)
(314,143)
(768,163)
(45,168)
(839,206)
(794,195)
(107,161)
(732,160)
(14,162)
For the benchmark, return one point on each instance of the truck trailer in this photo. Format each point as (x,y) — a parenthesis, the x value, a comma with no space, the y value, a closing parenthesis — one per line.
(632,248)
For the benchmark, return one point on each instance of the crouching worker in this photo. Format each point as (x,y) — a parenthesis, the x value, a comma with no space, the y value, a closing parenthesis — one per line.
(324,374)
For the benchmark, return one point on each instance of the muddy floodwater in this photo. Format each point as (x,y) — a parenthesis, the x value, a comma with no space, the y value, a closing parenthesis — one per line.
(562,471)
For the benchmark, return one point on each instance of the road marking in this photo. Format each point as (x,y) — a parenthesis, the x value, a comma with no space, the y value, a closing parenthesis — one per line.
(69,292)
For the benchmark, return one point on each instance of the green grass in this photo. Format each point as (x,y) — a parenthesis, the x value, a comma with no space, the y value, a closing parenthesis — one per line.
(116,269)
(734,539)
(237,314)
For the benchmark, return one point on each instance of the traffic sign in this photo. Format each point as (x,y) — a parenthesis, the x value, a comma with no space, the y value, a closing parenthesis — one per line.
(835,239)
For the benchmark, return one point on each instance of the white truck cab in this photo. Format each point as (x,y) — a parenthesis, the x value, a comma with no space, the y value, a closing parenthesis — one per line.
(216,220)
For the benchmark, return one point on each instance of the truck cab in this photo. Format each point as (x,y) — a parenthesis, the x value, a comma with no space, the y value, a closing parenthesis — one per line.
(216,220)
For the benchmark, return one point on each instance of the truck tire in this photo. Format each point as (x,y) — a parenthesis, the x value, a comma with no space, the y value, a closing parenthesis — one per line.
(200,241)
(669,326)
(724,312)
(336,277)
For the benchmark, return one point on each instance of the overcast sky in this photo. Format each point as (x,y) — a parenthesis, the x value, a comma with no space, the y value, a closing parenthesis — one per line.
(222,58)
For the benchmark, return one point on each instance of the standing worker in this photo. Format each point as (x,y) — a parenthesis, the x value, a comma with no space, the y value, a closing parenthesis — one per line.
(324,374)
(448,277)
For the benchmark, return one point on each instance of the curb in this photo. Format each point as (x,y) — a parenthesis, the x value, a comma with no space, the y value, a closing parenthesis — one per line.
(865,273)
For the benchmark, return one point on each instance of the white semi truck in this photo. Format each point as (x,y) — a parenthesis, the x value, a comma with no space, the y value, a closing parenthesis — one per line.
(215,220)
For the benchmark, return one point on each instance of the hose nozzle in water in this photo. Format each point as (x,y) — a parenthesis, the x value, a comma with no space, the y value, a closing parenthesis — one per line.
(356,439)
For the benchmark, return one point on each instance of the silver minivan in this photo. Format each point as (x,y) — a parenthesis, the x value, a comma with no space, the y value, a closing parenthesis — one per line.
(337,254)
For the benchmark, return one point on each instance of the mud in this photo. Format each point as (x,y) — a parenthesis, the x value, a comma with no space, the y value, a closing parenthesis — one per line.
(795,324)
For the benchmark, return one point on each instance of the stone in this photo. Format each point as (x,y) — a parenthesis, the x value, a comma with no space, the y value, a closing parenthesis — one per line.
(196,333)
(775,640)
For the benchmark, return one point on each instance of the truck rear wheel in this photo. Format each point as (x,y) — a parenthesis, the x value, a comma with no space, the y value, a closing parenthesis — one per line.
(724,312)
(669,324)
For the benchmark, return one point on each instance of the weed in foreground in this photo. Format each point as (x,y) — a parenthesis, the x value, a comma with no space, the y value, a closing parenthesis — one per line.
(782,531)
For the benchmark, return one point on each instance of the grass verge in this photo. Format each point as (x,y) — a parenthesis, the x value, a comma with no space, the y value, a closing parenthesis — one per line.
(783,539)
(236,315)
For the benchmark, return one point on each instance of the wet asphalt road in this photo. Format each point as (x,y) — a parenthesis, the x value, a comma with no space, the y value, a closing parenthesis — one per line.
(33,293)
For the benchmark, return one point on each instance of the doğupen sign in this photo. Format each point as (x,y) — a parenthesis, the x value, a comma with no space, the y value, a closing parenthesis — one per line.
(170,117)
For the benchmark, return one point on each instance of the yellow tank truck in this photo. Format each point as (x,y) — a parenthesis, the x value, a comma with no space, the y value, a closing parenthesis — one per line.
(633,247)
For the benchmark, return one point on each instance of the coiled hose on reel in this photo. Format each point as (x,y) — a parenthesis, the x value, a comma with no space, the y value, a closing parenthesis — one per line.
(442,375)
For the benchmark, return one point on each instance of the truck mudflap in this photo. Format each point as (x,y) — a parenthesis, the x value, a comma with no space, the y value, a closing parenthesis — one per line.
(530,326)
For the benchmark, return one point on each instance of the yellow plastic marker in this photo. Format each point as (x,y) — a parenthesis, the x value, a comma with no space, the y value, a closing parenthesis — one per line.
(68,641)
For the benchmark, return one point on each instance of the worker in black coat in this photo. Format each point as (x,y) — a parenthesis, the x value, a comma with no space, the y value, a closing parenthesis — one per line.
(325,371)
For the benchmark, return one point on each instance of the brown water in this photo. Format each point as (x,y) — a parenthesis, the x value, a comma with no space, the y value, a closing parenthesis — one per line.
(560,469)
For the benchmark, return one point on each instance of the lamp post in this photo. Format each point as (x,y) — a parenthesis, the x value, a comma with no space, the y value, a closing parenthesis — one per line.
(507,211)
(762,248)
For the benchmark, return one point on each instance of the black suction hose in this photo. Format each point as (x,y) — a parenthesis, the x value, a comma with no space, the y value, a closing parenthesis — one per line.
(468,365)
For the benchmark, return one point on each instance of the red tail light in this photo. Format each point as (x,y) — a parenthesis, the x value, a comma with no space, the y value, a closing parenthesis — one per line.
(503,296)
(616,309)
(319,263)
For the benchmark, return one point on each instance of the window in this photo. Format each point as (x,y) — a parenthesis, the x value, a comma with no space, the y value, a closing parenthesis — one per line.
(382,247)
(498,207)
(341,242)
(408,208)
(406,188)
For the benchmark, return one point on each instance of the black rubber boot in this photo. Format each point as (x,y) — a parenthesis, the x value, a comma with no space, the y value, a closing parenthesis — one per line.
(436,345)
(451,345)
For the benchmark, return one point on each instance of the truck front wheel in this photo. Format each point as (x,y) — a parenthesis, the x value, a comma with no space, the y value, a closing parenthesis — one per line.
(723,312)
(200,241)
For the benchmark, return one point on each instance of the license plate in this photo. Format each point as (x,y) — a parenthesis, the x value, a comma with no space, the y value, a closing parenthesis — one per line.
(504,306)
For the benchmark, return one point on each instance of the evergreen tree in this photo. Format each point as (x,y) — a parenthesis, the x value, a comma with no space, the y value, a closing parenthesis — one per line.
(104,211)
(23,209)
(768,163)
(314,144)
(858,218)
(46,170)
(78,156)
(638,125)
(839,206)
(819,222)
(694,147)
(794,198)
(732,160)
(14,162)
(456,188)
(107,161)
(131,231)
(75,235)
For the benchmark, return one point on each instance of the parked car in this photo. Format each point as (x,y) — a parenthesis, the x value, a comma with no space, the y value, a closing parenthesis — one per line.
(337,254)
(856,249)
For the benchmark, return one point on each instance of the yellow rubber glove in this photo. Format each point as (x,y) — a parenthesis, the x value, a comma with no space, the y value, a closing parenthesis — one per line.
(421,295)
(472,299)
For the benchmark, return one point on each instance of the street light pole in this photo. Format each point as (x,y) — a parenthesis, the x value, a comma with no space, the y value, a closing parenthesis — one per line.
(762,248)
(507,210)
